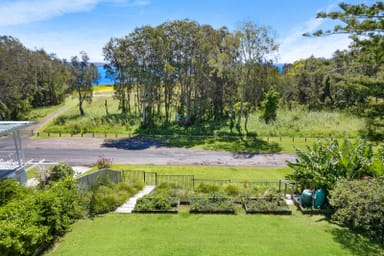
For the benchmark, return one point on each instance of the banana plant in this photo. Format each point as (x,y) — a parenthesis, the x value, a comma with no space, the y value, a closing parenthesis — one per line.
(323,164)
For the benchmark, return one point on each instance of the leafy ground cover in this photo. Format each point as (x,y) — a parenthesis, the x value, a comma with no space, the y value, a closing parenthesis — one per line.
(266,205)
(215,204)
(188,234)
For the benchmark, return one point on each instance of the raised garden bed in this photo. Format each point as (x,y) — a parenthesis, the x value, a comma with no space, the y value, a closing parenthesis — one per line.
(157,204)
(212,205)
(266,206)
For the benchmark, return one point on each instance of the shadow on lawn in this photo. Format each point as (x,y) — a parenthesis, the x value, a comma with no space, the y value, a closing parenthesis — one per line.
(242,148)
(356,243)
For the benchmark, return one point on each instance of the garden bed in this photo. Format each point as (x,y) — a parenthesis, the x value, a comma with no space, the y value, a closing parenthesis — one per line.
(266,206)
(157,204)
(212,206)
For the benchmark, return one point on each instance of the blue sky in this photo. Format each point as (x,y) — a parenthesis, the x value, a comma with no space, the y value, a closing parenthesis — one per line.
(66,27)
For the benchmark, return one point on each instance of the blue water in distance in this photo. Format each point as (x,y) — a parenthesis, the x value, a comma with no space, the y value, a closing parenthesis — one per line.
(103,80)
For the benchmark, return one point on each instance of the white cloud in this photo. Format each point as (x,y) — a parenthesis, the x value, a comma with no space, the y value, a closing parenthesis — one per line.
(21,12)
(25,11)
(318,47)
(295,46)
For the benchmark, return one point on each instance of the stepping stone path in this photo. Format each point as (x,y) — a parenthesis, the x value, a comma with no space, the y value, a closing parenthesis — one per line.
(128,206)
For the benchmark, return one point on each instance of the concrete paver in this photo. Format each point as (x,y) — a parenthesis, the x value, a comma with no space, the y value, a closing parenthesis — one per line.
(128,206)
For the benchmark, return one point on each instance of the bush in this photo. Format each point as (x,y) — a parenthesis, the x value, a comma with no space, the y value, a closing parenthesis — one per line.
(207,188)
(103,162)
(107,196)
(60,172)
(359,205)
(270,105)
(232,190)
(38,218)
(10,189)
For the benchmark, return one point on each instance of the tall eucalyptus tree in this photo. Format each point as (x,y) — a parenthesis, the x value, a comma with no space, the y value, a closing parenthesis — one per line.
(257,46)
(83,76)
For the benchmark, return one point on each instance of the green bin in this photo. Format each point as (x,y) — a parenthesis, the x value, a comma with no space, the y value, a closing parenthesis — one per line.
(319,200)
(306,198)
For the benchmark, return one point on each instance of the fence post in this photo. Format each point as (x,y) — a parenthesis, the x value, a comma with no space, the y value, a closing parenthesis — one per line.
(32,132)
(144,177)
(193,182)
(279,186)
(156,178)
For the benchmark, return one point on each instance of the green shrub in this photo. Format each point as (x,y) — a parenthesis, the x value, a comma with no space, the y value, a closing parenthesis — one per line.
(61,171)
(359,205)
(207,188)
(270,105)
(106,196)
(38,218)
(103,162)
(10,189)
(232,190)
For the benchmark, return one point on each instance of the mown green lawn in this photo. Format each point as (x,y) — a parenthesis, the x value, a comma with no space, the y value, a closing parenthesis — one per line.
(188,234)
(214,172)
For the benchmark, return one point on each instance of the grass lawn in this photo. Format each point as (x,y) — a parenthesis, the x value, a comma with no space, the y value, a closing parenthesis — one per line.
(188,234)
(213,172)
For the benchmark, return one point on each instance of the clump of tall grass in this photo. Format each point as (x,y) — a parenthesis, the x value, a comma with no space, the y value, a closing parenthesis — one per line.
(300,122)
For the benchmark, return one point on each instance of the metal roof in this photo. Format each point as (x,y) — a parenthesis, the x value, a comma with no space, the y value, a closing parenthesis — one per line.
(7,127)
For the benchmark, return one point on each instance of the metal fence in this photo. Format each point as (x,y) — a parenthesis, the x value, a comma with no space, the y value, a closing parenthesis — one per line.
(153,178)
(98,177)
(189,181)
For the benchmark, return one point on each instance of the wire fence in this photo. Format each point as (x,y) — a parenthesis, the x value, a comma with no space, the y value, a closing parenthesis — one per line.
(268,138)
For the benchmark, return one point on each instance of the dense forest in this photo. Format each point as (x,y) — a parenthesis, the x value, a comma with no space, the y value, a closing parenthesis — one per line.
(199,73)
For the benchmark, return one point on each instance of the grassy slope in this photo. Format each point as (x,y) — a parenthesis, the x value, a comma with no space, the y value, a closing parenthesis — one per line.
(186,234)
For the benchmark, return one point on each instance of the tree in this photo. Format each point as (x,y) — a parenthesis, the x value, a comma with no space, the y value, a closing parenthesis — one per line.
(359,20)
(256,45)
(84,74)
(270,105)
(364,24)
